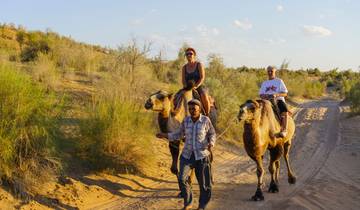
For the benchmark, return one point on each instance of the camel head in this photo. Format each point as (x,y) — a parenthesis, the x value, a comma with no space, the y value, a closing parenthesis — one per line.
(158,101)
(248,110)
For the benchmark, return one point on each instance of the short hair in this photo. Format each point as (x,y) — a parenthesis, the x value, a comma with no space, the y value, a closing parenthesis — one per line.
(271,67)
(194,102)
(190,49)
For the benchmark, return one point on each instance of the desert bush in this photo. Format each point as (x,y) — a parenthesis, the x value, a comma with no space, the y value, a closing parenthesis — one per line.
(28,128)
(354,97)
(44,70)
(117,132)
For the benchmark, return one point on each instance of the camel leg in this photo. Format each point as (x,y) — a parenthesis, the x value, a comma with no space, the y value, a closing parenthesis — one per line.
(291,176)
(260,174)
(277,171)
(275,155)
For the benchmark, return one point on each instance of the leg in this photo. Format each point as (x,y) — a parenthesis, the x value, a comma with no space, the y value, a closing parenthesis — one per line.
(175,151)
(291,176)
(284,117)
(185,167)
(260,173)
(203,175)
(284,124)
(204,100)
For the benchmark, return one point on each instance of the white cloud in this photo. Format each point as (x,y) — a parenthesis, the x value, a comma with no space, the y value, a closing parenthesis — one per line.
(153,11)
(245,25)
(318,31)
(279,8)
(202,29)
(183,28)
(215,31)
(138,21)
(274,41)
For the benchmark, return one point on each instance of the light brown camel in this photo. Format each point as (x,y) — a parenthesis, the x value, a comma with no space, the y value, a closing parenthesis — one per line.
(170,118)
(260,134)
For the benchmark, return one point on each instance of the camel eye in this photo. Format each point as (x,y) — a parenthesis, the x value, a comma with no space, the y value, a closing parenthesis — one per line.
(160,97)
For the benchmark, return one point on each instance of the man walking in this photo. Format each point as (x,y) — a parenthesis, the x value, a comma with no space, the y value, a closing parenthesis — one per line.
(200,137)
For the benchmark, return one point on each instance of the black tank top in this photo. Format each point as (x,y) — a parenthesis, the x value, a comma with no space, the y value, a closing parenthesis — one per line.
(195,75)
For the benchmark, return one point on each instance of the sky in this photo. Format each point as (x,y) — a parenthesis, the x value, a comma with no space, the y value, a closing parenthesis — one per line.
(322,34)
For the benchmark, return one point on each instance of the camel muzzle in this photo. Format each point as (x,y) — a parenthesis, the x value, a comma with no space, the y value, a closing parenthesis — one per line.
(148,104)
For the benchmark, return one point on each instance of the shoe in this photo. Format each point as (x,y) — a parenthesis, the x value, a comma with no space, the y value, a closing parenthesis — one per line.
(187,207)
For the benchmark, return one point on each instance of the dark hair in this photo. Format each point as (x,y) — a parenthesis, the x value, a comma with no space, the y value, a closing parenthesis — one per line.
(190,49)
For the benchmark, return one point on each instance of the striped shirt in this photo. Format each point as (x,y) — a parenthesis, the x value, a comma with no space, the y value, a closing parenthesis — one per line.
(197,135)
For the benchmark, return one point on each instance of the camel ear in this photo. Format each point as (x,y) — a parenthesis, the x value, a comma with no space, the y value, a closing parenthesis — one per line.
(170,96)
(257,105)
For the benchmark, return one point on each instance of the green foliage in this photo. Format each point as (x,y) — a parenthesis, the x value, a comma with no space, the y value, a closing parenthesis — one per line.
(36,43)
(116,133)
(28,118)
(354,97)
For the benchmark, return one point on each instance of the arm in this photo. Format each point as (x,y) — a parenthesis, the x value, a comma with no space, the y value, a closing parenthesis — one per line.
(282,90)
(183,76)
(211,134)
(173,136)
(202,75)
(262,93)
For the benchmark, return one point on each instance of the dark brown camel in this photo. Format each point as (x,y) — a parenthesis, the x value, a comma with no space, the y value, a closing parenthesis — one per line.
(260,134)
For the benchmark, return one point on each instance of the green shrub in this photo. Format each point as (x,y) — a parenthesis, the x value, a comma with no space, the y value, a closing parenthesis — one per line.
(117,133)
(354,97)
(28,119)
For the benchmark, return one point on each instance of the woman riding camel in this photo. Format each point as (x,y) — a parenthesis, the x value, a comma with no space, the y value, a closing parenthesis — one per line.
(194,73)
(274,88)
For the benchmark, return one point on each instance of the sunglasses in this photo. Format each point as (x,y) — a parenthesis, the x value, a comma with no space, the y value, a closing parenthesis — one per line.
(188,54)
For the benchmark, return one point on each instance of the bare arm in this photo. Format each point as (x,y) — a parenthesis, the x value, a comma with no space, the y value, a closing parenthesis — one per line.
(202,75)
(183,76)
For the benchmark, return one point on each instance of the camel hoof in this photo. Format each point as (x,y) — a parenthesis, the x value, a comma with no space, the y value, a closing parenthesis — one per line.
(292,179)
(273,188)
(258,196)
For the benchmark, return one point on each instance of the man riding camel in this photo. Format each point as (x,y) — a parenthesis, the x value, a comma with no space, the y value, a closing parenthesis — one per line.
(274,88)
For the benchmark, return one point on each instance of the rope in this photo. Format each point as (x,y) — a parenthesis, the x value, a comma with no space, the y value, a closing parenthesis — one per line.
(229,126)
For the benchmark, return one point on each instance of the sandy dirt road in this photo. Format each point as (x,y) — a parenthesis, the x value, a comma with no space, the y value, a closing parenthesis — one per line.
(325,157)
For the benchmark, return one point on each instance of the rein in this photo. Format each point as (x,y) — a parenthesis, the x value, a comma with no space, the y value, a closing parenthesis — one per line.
(231,123)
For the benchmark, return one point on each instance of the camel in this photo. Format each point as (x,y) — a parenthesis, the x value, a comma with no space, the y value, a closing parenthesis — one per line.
(170,117)
(260,134)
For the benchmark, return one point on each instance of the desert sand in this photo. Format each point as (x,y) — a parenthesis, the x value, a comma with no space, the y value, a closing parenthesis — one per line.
(325,157)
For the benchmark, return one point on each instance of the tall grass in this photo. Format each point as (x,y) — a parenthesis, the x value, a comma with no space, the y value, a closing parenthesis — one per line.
(117,132)
(28,118)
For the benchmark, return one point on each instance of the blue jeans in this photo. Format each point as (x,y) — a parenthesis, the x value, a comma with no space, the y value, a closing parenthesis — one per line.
(203,176)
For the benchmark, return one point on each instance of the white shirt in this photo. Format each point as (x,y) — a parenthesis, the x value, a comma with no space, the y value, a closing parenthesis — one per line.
(273,86)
